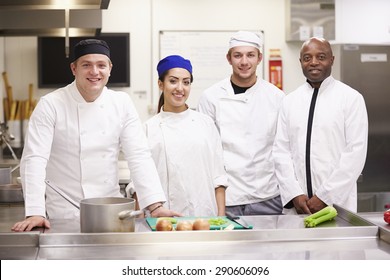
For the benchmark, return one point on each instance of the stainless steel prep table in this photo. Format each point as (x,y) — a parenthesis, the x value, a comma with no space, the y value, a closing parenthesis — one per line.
(16,246)
(273,237)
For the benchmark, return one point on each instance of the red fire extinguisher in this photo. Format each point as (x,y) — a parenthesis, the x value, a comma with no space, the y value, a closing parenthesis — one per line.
(275,68)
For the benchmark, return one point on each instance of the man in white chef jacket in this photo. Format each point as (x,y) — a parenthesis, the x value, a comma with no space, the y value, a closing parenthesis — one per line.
(74,137)
(321,142)
(244,108)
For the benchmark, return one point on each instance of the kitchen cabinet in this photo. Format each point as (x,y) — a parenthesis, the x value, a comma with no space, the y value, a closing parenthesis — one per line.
(363,22)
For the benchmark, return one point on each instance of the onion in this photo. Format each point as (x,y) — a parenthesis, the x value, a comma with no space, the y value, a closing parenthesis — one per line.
(184,225)
(164,225)
(201,224)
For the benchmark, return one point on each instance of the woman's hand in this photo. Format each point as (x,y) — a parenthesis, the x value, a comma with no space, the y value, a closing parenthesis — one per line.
(164,212)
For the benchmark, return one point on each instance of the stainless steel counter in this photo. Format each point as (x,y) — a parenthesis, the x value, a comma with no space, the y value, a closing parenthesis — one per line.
(377,219)
(349,236)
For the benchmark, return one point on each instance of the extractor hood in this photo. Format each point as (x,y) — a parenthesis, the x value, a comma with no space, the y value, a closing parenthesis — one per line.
(51,17)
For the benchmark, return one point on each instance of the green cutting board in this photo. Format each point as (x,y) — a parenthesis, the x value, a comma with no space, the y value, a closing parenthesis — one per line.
(152,222)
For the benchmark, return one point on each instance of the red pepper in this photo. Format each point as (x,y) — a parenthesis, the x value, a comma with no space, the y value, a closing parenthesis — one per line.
(386,216)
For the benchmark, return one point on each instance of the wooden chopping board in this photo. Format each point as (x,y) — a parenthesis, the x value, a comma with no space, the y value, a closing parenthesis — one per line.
(152,222)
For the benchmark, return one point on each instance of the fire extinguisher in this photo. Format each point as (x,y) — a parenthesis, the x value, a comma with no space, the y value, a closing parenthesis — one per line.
(275,68)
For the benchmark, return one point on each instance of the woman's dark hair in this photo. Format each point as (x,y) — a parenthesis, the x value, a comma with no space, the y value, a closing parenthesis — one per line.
(160,102)
(161,99)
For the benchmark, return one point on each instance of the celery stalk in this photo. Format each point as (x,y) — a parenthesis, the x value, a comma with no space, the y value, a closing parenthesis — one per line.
(325,214)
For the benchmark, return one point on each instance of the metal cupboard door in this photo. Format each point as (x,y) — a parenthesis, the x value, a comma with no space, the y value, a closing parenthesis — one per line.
(367,69)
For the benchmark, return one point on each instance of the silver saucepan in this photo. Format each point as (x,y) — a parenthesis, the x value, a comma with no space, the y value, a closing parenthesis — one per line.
(104,214)
(108,214)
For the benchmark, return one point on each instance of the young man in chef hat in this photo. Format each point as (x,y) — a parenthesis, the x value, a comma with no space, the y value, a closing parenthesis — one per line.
(73,140)
(244,108)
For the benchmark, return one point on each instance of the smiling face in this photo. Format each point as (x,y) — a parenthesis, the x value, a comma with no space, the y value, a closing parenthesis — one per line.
(176,88)
(91,72)
(316,60)
(244,61)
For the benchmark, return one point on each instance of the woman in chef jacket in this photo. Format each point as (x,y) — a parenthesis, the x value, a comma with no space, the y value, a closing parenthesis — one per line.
(186,146)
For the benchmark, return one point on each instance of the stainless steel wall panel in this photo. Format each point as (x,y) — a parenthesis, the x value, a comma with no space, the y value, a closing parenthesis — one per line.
(367,69)
(310,14)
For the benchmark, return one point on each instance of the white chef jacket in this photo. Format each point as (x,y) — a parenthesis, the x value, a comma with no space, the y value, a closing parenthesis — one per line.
(75,144)
(247,125)
(187,150)
(338,143)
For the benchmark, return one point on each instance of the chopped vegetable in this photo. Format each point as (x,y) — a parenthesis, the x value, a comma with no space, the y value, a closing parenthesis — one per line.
(217,221)
(325,214)
(386,216)
(172,220)
(229,227)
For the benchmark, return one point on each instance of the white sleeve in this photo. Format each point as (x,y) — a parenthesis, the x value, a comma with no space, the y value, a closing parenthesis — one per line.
(337,188)
(137,153)
(206,107)
(36,153)
(284,166)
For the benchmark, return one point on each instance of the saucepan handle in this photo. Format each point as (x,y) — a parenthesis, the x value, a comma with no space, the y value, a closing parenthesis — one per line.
(63,194)
(129,214)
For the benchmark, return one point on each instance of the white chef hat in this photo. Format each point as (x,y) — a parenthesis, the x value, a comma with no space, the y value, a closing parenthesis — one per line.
(245,38)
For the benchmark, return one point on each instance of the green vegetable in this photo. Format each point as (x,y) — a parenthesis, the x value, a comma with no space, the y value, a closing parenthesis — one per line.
(217,221)
(173,220)
(325,214)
